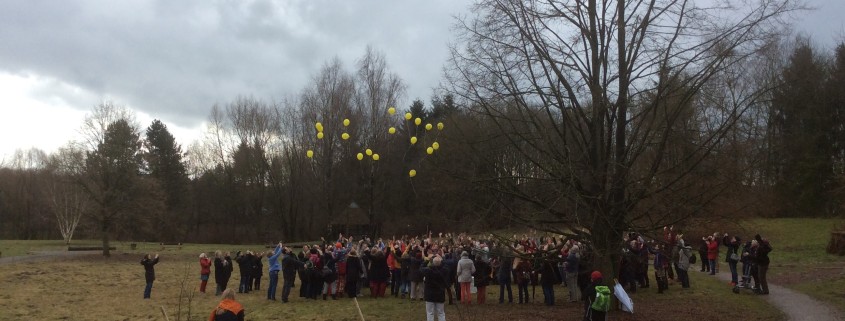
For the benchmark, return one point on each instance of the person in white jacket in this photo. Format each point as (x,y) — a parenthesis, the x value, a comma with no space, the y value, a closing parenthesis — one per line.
(465,270)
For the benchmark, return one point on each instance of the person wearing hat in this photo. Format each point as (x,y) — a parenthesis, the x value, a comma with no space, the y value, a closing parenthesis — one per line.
(465,270)
(591,314)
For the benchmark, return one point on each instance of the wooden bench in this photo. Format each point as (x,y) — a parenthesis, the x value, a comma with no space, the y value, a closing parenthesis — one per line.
(166,245)
(88,248)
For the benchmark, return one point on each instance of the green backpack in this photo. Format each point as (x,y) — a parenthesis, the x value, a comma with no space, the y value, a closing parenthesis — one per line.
(602,302)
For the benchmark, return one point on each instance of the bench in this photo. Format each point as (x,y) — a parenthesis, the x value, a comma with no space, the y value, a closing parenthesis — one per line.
(165,245)
(88,248)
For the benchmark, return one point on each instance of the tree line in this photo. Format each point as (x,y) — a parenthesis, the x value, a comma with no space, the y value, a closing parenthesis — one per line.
(554,118)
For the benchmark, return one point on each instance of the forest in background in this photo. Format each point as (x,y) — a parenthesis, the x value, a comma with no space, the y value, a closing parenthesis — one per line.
(747,122)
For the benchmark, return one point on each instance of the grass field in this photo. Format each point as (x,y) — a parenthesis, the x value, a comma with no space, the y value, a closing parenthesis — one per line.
(96,288)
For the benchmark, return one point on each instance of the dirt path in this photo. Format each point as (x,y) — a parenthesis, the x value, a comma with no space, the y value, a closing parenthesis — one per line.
(41,256)
(796,305)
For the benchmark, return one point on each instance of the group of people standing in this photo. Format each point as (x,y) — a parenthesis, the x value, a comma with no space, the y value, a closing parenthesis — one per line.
(435,270)
(673,258)
(444,269)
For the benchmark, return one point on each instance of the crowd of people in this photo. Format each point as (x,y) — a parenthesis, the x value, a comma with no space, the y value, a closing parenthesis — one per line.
(673,258)
(444,269)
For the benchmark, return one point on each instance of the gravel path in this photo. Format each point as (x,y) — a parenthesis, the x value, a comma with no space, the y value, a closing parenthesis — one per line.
(41,256)
(796,305)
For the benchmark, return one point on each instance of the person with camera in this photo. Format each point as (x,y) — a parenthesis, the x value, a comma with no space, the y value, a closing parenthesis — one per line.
(245,267)
(732,257)
(205,271)
(273,269)
(222,270)
(149,263)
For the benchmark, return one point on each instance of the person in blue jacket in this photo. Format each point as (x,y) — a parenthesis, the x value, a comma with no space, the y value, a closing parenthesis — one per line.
(274,267)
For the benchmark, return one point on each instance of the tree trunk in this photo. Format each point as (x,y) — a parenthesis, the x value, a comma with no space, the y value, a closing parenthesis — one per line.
(104,229)
(837,243)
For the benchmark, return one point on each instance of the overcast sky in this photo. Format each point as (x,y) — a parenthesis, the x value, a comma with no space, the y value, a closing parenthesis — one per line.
(173,60)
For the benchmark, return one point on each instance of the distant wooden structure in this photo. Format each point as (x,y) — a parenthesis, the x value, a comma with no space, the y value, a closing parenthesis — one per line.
(837,243)
(352,221)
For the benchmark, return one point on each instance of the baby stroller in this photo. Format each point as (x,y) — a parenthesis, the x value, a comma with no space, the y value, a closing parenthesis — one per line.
(748,269)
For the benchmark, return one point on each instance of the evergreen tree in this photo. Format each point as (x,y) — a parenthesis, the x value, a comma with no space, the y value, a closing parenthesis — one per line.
(163,158)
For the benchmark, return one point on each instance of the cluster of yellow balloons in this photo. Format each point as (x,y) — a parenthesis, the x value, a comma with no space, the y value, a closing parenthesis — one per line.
(392,130)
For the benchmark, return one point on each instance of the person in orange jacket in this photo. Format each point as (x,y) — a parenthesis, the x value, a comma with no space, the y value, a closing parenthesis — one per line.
(228,309)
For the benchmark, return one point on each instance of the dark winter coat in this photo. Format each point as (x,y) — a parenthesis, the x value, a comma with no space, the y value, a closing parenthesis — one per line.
(244,264)
(149,269)
(732,247)
(257,266)
(761,254)
(436,283)
(289,267)
(354,267)
(482,273)
(548,274)
(414,269)
(523,272)
(503,274)
(378,270)
(222,270)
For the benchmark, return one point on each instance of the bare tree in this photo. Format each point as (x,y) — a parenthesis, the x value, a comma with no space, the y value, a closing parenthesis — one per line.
(67,200)
(589,94)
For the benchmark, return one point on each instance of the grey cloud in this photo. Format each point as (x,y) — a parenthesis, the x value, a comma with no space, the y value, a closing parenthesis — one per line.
(174,59)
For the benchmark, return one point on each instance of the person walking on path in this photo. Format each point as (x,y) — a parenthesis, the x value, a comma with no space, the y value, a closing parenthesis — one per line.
(149,263)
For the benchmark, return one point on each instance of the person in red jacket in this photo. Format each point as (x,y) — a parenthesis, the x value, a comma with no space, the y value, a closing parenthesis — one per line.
(712,253)
(205,271)
(228,309)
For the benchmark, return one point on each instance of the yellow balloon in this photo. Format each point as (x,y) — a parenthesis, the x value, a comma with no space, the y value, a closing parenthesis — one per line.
(418,121)
(375,157)
(318,126)
(392,130)
(320,135)
(436,146)
(440,126)
(369,151)
(345,136)
(346,122)
(427,126)
(309,153)
(429,150)
(391,110)
(360,156)
(413,140)
(408,116)
(412,173)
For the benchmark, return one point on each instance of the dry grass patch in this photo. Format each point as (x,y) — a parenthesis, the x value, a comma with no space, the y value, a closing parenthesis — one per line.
(96,288)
